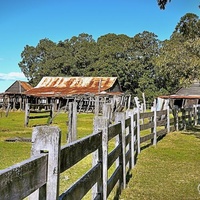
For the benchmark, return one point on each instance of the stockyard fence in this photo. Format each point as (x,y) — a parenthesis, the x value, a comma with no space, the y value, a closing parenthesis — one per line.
(132,130)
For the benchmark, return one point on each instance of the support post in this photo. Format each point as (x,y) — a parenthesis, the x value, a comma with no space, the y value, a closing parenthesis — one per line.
(46,139)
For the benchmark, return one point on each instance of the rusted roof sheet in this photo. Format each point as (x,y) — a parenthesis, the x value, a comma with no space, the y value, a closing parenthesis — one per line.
(25,85)
(180,97)
(65,86)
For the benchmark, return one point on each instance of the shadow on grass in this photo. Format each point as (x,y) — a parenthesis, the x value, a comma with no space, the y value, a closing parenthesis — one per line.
(192,130)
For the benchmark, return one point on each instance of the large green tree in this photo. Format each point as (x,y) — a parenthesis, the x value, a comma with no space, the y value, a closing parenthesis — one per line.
(179,58)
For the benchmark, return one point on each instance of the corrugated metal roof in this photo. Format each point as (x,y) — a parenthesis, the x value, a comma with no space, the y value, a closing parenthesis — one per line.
(191,92)
(65,86)
(25,85)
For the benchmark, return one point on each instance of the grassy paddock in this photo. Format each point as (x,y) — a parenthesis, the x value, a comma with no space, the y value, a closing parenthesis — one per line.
(169,170)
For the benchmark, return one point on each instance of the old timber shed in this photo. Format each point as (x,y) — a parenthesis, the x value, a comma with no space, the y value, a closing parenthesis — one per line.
(59,91)
(186,96)
(15,96)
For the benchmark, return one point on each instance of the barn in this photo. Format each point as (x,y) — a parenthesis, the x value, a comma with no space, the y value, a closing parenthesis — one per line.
(186,96)
(15,95)
(62,90)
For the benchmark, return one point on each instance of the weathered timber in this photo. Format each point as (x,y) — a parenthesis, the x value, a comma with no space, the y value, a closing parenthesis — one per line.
(81,187)
(113,179)
(113,155)
(113,130)
(161,132)
(146,115)
(146,137)
(25,177)
(146,126)
(76,151)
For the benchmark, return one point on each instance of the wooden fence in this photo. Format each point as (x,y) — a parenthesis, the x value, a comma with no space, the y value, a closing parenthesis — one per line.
(38,111)
(38,177)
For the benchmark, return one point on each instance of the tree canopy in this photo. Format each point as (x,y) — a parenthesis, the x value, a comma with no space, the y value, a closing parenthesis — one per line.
(142,63)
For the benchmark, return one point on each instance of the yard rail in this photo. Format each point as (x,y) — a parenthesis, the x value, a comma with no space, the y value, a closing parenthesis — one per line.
(38,177)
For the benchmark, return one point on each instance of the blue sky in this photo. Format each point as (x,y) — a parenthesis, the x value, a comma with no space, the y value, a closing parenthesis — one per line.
(25,22)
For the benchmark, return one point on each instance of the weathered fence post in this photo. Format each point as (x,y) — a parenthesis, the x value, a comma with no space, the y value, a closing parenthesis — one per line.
(131,113)
(184,118)
(120,117)
(27,107)
(72,124)
(168,117)
(101,155)
(176,119)
(46,139)
(96,106)
(138,130)
(155,123)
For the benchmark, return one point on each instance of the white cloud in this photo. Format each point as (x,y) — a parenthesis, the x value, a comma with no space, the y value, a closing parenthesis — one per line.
(12,76)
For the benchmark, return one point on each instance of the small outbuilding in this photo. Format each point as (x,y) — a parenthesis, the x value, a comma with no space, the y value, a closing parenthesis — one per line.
(186,96)
(15,96)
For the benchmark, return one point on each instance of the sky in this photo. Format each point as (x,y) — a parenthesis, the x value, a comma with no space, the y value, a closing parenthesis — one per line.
(26,22)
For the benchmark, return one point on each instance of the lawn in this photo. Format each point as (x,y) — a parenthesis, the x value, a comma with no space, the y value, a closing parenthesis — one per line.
(167,171)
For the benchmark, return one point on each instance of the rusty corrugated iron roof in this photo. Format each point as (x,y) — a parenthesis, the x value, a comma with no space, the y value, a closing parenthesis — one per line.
(66,86)
(25,85)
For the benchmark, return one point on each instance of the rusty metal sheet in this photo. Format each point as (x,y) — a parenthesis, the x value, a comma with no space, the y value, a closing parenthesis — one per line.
(25,85)
(65,86)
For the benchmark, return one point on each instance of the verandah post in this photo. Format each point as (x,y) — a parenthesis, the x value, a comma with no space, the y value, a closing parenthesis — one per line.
(47,139)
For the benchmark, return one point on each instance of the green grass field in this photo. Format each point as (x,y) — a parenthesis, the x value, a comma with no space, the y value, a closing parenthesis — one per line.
(168,171)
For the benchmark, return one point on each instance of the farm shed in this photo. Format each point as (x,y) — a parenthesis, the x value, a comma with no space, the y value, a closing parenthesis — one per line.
(15,95)
(186,96)
(62,90)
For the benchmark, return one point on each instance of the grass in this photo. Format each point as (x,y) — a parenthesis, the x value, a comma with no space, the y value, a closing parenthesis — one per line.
(169,170)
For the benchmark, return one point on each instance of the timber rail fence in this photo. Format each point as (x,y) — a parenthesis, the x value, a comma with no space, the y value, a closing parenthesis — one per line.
(38,177)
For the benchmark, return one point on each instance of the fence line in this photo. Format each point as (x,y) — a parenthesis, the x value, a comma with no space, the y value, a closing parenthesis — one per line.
(40,111)
(39,175)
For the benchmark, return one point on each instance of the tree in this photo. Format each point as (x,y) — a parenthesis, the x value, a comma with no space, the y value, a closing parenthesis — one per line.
(188,26)
(162,3)
(46,59)
(179,58)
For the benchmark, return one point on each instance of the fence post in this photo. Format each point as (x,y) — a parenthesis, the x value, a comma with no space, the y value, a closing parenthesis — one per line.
(27,107)
(46,139)
(72,124)
(176,122)
(155,123)
(130,113)
(120,117)
(138,129)
(101,155)
(184,118)
(168,117)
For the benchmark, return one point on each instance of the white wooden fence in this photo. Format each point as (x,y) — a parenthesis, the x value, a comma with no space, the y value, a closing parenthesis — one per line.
(38,177)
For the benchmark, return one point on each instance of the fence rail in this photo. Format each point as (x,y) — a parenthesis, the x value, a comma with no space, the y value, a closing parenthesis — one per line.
(38,177)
